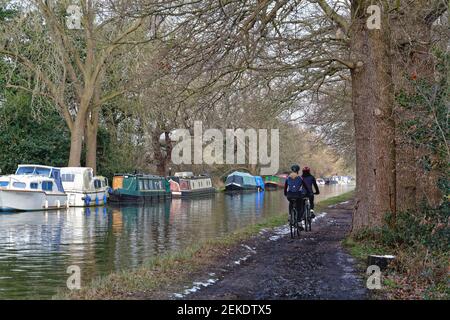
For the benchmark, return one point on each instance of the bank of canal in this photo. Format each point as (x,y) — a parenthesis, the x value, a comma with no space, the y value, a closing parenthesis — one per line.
(235,265)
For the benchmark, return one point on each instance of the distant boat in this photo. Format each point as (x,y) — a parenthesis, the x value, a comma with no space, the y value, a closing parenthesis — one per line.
(139,188)
(282,179)
(271,182)
(320,181)
(32,187)
(260,183)
(185,184)
(82,188)
(241,181)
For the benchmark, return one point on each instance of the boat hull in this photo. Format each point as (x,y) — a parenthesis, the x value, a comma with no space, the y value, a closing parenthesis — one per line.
(117,197)
(237,187)
(87,199)
(16,200)
(193,193)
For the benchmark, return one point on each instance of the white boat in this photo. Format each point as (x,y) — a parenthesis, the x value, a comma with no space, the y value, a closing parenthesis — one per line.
(320,181)
(32,187)
(82,188)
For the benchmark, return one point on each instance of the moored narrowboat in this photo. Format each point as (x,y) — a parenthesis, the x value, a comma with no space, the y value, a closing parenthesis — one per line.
(240,181)
(259,183)
(271,182)
(185,184)
(282,179)
(139,188)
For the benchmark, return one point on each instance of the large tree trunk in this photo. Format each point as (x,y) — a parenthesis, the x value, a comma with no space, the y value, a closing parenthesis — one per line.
(76,140)
(161,157)
(91,140)
(372,100)
(78,130)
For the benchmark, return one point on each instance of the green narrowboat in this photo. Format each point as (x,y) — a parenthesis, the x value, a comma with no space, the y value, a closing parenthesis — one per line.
(271,182)
(139,188)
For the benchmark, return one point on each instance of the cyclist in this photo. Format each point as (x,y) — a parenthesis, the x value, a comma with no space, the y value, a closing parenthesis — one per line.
(294,190)
(310,181)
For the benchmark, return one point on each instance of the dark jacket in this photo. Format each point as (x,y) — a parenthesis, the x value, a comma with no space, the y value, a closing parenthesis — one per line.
(293,175)
(309,181)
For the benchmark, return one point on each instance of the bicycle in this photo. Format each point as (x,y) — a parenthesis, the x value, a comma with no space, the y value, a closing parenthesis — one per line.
(294,224)
(307,220)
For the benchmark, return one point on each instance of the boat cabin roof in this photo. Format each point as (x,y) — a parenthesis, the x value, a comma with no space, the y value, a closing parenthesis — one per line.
(138,175)
(242,174)
(76,170)
(184,174)
(77,178)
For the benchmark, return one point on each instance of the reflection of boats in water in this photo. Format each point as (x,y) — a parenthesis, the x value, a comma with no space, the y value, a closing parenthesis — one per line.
(197,205)
(238,203)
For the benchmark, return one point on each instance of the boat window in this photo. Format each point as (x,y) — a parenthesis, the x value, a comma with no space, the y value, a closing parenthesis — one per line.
(33,185)
(141,184)
(42,171)
(19,185)
(235,179)
(4,183)
(33,170)
(25,170)
(68,177)
(47,185)
(97,184)
(148,184)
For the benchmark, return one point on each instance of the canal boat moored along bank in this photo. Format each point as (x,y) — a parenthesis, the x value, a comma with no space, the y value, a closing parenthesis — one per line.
(185,184)
(83,189)
(282,179)
(271,182)
(139,188)
(241,181)
(32,187)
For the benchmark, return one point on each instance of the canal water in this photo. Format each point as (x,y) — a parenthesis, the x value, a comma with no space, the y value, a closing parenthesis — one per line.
(36,248)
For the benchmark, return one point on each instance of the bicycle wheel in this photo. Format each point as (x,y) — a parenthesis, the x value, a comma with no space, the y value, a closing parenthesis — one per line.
(307,217)
(297,226)
(292,222)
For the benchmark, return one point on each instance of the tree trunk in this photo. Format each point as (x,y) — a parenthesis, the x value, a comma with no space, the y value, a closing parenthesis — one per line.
(91,140)
(76,143)
(372,100)
(78,131)
(161,158)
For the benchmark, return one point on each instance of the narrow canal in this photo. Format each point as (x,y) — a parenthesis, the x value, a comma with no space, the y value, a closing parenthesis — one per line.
(36,248)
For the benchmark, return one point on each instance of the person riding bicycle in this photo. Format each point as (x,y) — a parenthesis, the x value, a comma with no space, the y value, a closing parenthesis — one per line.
(310,181)
(294,190)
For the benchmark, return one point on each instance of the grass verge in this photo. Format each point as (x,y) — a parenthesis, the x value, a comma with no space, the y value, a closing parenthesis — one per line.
(156,276)
(416,273)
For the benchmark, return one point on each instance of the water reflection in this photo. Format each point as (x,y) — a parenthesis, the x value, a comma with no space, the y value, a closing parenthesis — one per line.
(37,247)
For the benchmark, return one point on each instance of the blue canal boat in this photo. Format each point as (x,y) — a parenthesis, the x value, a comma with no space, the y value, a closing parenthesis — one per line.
(242,181)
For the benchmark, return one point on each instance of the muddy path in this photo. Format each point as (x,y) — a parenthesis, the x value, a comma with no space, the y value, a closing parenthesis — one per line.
(273,266)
